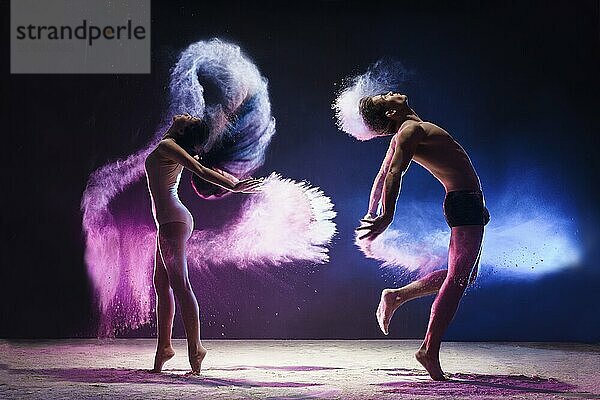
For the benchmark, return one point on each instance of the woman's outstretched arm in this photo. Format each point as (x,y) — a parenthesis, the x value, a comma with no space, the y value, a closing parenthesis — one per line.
(169,148)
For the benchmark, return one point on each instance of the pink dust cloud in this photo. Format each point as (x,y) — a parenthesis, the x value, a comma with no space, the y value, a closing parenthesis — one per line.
(287,222)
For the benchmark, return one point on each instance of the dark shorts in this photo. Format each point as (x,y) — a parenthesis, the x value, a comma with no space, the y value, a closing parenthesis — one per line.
(465,207)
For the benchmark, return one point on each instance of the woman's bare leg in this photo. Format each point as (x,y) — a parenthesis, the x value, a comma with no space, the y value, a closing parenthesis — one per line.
(165,312)
(392,299)
(172,243)
(465,246)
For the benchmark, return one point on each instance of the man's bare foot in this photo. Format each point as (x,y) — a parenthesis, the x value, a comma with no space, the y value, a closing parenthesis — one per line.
(196,360)
(431,364)
(161,357)
(391,300)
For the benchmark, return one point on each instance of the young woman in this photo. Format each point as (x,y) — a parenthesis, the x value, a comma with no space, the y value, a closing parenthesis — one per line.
(164,166)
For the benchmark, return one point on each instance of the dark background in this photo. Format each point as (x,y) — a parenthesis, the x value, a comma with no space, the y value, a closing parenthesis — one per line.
(516,82)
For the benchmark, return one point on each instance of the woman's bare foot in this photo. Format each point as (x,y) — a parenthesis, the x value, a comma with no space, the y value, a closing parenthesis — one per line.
(161,357)
(431,364)
(196,360)
(391,300)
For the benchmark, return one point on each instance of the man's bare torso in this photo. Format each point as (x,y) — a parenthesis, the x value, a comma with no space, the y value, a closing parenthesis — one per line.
(443,157)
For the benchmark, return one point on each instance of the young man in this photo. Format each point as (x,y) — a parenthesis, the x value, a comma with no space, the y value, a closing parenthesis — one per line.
(433,148)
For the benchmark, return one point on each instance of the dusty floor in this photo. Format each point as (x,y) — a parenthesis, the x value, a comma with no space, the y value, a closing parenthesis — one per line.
(275,369)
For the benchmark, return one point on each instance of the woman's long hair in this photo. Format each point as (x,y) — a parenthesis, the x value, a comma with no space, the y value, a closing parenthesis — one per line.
(217,83)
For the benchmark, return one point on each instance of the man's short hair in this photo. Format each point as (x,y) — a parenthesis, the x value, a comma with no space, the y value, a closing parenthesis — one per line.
(373,114)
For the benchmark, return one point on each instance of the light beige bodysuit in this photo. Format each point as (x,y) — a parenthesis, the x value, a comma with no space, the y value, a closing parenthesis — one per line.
(163,177)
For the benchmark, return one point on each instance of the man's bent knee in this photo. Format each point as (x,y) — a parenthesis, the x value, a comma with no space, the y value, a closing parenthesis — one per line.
(458,280)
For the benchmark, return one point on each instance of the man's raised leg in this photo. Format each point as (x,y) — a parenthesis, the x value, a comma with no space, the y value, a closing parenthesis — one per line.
(392,299)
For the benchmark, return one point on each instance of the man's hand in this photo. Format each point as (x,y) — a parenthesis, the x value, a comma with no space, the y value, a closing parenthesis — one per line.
(369,216)
(374,227)
(249,185)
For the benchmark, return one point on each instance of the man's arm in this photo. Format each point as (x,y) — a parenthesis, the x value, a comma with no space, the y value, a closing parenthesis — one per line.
(377,188)
(375,197)
(405,146)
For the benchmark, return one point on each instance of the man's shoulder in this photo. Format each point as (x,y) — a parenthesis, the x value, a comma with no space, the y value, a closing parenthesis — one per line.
(430,127)
(411,131)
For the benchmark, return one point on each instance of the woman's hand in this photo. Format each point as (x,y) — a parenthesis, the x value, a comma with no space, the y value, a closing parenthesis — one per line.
(226,175)
(233,181)
(249,185)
